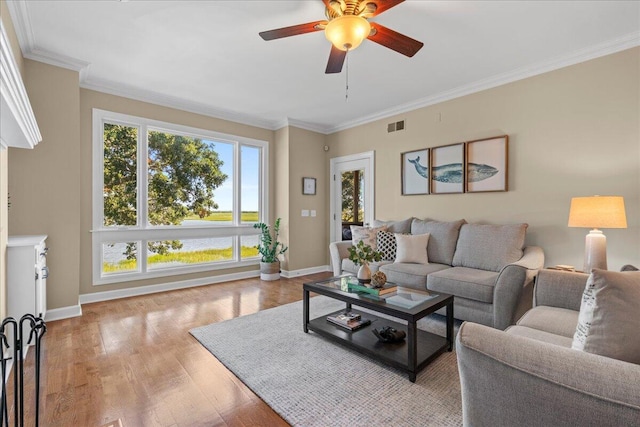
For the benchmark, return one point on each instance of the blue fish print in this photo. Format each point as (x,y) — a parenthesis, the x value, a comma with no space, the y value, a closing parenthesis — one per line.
(452,173)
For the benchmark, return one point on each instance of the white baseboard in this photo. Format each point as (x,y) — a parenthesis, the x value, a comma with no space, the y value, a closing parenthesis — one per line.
(63,313)
(163,287)
(76,310)
(305,271)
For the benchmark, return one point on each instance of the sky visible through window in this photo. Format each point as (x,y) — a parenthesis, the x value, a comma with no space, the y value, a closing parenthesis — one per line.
(223,195)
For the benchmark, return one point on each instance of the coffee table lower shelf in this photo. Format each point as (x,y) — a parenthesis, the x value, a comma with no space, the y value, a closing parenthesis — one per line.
(429,346)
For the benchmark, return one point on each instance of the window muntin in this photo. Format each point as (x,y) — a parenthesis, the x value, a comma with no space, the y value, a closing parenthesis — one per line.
(193,185)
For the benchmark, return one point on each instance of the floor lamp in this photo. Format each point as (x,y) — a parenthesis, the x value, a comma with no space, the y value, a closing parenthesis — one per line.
(597,212)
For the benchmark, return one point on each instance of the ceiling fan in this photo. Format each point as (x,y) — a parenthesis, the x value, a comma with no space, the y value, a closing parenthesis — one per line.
(347,25)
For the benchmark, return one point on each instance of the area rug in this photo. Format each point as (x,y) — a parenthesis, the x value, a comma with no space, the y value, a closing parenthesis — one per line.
(310,381)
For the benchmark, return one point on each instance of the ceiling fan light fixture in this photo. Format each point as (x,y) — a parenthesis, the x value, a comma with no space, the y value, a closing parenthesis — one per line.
(347,32)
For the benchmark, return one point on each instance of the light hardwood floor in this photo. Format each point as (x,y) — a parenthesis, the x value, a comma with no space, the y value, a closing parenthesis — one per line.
(134,360)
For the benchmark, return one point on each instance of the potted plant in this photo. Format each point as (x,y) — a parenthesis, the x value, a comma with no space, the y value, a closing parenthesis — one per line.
(362,254)
(270,249)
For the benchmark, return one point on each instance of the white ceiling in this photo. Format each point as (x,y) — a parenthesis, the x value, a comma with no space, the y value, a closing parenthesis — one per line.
(207,57)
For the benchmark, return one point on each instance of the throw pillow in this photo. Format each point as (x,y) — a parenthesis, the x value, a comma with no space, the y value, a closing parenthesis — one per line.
(412,248)
(608,322)
(366,234)
(387,245)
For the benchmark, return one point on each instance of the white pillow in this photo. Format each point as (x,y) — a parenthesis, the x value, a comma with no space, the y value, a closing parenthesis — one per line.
(412,248)
(608,322)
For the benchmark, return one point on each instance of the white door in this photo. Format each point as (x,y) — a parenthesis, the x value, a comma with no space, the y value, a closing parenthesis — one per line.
(357,173)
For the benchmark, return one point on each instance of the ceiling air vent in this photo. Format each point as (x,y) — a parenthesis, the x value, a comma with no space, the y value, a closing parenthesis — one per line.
(392,127)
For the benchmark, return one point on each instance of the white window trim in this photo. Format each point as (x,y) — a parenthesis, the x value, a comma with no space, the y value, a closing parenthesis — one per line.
(145,232)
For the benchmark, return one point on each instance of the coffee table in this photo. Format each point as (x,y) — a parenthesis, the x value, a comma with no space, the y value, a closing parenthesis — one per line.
(419,348)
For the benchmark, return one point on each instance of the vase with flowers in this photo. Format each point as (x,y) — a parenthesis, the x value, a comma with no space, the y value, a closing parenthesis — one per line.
(362,254)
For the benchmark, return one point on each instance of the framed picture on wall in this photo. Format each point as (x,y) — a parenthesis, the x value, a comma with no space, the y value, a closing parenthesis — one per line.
(415,172)
(487,164)
(309,186)
(447,169)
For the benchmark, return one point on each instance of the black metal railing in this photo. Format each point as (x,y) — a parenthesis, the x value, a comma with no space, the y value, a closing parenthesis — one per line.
(12,337)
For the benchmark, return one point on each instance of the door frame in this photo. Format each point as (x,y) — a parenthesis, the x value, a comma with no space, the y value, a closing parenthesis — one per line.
(369,187)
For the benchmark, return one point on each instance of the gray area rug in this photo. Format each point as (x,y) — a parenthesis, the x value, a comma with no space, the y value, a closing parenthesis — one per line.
(311,381)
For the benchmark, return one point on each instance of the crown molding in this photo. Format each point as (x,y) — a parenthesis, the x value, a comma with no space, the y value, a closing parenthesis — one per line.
(22,24)
(602,49)
(175,102)
(313,127)
(18,126)
(59,60)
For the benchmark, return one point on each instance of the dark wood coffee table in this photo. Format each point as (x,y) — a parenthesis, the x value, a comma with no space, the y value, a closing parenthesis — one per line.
(419,348)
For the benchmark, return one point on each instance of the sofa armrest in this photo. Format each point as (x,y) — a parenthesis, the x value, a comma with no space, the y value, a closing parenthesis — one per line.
(532,258)
(540,384)
(339,251)
(513,291)
(561,289)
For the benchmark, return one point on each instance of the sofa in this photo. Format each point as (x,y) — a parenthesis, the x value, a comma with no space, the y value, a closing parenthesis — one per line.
(486,267)
(537,374)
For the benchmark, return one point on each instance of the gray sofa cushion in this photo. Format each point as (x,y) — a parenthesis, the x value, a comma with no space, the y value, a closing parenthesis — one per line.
(464,282)
(489,247)
(444,236)
(536,334)
(410,275)
(554,320)
(403,226)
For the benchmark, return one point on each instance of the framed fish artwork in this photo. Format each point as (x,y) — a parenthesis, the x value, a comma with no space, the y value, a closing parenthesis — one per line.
(447,169)
(487,164)
(415,172)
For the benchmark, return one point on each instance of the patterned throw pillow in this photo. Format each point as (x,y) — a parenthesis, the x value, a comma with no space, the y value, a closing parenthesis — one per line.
(608,322)
(366,234)
(387,245)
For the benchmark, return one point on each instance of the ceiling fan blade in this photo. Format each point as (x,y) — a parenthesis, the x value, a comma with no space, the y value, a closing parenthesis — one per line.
(336,60)
(394,40)
(294,30)
(382,5)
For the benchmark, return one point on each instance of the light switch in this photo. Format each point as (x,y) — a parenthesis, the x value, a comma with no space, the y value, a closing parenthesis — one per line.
(313,213)
(305,212)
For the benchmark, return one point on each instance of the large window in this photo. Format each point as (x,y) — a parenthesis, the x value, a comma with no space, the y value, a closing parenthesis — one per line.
(169,199)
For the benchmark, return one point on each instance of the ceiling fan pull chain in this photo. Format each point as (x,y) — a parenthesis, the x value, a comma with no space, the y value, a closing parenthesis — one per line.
(346,90)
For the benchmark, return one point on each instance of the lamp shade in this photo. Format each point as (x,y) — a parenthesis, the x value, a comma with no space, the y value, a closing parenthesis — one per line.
(347,31)
(597,212)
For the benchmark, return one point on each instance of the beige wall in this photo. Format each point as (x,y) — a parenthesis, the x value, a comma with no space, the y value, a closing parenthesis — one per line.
(573,132)
(307,159)
(280,153)
(45,182)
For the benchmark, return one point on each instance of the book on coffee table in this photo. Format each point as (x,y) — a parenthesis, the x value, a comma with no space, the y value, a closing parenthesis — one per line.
(352,325)
(386,289)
